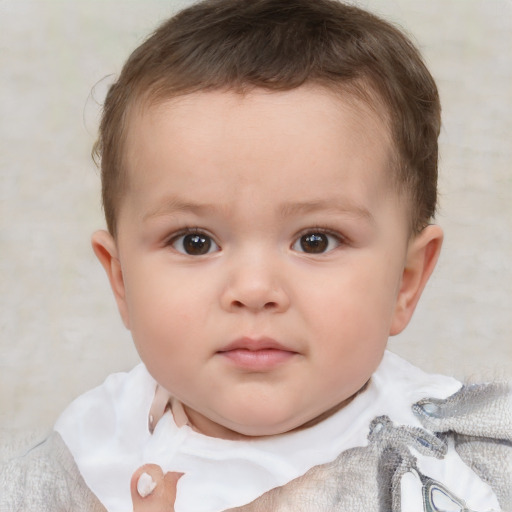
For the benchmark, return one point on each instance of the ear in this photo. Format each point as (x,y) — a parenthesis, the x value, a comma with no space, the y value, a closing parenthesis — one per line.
(106,251)
(422,255)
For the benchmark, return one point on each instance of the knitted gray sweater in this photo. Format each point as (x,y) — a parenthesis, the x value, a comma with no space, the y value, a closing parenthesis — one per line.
(477,420)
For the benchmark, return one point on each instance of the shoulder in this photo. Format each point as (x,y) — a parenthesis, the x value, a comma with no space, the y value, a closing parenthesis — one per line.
(477,422)
(396,385)
(45,478)
(459,443)
(115,410)
(457,455)
(457,437)
(396,372)
(106,431)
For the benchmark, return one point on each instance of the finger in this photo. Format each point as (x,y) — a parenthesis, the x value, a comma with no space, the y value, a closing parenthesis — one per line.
(152,491)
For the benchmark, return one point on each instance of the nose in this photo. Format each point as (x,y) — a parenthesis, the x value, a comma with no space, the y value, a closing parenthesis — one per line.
(255,285)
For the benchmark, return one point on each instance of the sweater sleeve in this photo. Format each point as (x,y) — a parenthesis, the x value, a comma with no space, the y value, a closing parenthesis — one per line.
(45,478)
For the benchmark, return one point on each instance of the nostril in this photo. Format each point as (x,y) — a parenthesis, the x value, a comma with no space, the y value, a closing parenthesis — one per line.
(237,304)
(255,295)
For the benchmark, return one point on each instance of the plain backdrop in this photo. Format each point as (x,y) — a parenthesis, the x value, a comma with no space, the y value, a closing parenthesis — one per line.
(59,329)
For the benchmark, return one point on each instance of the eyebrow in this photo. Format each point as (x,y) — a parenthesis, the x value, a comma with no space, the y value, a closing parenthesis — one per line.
(327,205)
(174,205)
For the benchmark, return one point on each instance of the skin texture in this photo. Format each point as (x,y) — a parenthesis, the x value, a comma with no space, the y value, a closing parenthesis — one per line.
(254,175)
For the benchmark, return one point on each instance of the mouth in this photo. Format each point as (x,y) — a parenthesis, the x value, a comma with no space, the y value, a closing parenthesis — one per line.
(256,354)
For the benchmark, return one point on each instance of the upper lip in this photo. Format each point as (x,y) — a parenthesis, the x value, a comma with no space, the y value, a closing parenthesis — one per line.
(254,344)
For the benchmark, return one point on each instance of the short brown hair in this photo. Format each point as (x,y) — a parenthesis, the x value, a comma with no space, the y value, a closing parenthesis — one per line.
(280,45)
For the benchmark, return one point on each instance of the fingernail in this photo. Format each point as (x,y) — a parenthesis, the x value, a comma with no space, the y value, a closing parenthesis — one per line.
(145,485)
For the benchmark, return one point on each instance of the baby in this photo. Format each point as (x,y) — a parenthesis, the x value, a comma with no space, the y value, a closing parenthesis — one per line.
(269,174)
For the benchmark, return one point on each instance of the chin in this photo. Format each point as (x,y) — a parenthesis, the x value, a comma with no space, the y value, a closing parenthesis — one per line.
(258,426)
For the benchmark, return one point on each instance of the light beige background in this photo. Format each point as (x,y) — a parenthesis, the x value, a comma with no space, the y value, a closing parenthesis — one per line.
(59,329)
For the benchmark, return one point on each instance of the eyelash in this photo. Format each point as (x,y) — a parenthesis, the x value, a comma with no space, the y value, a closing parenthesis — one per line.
(171,241)
(340,240)
(182,234)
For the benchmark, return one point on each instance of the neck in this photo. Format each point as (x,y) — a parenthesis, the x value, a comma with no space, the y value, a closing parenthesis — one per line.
(202,425)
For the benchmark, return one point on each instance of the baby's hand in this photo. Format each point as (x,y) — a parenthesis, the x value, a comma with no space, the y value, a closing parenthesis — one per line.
(152,491)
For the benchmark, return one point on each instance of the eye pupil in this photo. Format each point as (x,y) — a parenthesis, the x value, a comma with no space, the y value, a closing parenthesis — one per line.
(196,244)
(314,243)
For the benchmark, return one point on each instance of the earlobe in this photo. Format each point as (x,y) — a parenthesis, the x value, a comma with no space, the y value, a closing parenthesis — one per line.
(105,248)
(422,255)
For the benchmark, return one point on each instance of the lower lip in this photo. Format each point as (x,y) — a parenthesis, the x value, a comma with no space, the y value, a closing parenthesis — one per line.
(257,360)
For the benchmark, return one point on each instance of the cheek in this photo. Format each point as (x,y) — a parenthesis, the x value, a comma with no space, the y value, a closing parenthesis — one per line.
(355,303)
(156,288)
(165,333)
(163,309)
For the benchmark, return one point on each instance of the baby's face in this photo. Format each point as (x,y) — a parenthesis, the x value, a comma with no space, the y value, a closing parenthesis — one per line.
(262,248)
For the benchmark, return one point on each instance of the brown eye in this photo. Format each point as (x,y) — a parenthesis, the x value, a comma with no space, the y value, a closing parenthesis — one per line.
(195,244)
(316,243)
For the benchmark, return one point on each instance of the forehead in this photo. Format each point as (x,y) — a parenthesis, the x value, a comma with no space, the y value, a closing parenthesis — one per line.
(226,139)
(310,102)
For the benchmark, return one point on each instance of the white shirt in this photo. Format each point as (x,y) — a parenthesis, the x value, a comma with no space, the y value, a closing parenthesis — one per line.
(106,430)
